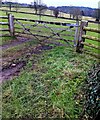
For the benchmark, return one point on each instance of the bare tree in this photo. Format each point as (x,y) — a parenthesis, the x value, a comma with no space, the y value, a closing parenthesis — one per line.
(76,13)
(17,6)
(56,12)
(39,7)
(42,9)
(97,14)
(0,3)
(35,7)
(9,4)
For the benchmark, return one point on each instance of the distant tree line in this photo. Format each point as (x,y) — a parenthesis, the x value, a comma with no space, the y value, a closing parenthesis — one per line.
(80,11)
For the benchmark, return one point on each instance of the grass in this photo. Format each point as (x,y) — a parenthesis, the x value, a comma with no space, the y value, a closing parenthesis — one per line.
(50,85)
(6,40)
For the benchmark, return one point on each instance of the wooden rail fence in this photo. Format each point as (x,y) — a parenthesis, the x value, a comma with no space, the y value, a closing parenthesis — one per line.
(80,35)
(82,39)
(8,11)
(4,27)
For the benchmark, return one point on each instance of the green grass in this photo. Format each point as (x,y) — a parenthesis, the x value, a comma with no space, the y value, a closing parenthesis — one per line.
(50,83)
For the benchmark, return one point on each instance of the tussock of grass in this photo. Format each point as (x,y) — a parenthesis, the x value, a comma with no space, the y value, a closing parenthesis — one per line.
(49,86)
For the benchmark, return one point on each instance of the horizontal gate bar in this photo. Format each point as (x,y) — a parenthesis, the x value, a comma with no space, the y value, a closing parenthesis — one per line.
(56,23)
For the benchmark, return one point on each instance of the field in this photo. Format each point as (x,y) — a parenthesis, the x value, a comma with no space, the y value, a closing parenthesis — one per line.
(42,80)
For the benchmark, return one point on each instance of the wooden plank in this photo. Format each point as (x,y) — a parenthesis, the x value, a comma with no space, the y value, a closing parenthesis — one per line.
(91,38)
(90,45)
(92,29)
(4,29)
(47,22)
(3,23)
(3,17)
(38,31)
(97,22)
(92,54)
(28,34)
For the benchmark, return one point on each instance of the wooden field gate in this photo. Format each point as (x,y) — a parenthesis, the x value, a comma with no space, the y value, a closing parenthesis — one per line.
(52,31)
(44,30)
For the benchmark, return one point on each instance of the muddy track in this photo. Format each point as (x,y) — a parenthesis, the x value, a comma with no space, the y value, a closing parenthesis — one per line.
(18,41)
(14,69)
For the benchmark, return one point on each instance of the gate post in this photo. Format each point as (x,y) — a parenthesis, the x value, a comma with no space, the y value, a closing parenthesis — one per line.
(80,46)
(11,24)
(76,33)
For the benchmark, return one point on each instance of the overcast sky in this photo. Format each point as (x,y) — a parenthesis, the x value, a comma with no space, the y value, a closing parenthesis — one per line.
(86,3)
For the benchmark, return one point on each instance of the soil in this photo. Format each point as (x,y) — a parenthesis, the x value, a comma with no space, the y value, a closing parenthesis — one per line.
(9,72)
(17,41)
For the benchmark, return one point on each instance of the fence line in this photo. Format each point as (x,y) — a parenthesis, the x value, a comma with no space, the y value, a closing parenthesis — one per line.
(92,54)
(3,30)
(3,17)
(4,23)
(92,29)
(79,37)
(82,36)
(91,38)
(47,15)
(90,45)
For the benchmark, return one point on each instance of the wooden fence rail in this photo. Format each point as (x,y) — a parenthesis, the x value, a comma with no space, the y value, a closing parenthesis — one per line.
(46,15)
(3,17)
(91,38)
(82,36)
(4,23)
(91,45)
(92,29)
(47,22)
(4,32)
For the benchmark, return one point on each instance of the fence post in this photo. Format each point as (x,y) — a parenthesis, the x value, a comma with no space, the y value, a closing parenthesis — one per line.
(76,32)
(11,24)
(80,46)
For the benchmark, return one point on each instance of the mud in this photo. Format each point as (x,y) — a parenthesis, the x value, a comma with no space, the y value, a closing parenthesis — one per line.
(9,72)
(18,41)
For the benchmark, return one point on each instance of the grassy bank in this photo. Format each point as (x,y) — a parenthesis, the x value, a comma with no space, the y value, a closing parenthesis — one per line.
(49,86)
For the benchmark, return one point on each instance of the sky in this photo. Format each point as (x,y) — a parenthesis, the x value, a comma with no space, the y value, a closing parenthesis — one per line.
(85,3)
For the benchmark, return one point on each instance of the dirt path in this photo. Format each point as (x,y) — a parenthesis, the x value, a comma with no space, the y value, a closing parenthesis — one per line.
(18,41)
(15,68)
